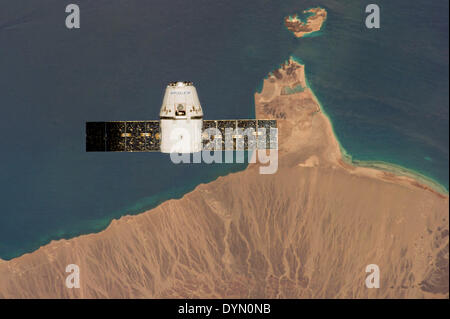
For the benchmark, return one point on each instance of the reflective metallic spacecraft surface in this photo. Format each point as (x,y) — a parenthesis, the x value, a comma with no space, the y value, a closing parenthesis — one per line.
(181,119)
(181,129)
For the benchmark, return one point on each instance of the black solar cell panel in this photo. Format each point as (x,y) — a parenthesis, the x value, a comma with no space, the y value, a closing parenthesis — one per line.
(144,136)
(115,136)
(95,136)
(227,129)
(153,141)
(135,137)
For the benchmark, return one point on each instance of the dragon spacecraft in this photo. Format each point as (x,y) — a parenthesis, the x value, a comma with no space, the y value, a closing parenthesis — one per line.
(181,129)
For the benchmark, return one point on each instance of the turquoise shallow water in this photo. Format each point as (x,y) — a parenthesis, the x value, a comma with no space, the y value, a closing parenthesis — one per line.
(385,90)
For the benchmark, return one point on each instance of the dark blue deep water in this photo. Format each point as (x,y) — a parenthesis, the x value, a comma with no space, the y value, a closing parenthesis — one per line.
(385,90)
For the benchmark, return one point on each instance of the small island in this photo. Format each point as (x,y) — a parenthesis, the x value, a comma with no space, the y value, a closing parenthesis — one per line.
(315,17)
(307,231)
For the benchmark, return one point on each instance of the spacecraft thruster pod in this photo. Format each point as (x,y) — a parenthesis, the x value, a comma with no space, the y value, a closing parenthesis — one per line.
(181,119)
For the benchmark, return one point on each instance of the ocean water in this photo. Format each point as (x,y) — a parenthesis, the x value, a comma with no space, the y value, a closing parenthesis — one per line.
(385,90)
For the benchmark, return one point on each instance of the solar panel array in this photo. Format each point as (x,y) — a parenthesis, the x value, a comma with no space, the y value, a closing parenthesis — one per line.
(144,136)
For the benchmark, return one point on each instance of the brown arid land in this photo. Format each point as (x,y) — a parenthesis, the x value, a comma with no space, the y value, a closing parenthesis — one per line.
(312,24)
(307,231)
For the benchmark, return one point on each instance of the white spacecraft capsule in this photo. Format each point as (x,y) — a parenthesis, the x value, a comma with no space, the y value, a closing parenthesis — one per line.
(179,129)
(181,119)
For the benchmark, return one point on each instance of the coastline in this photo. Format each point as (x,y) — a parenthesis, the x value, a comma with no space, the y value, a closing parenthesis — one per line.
(308,27)
(376,164)
(366,167)
(374,167)
(226,238)
(400,171)
(96,226)
(347,158)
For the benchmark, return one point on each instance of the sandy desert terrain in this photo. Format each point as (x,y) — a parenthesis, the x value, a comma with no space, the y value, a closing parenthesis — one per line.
(308,231)
(312,24)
